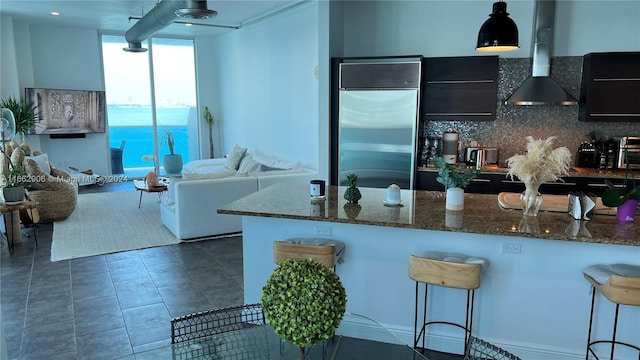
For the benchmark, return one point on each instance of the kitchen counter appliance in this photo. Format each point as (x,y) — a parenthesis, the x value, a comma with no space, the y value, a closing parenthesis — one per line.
(608,154)
(588,156)
(378,107)
(629,152)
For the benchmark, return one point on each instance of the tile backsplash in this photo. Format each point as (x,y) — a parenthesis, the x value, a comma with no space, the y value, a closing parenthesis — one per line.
(514,123)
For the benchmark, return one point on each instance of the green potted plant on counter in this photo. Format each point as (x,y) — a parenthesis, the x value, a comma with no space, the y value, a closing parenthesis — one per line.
(171,162)
(454,177)
(624,198)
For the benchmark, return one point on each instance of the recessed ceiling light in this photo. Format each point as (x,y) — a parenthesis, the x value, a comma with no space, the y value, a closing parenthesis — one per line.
(55,13)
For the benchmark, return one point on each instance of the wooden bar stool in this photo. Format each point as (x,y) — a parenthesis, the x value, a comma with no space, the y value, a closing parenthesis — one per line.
(325,251)
(620,283)
(448,270)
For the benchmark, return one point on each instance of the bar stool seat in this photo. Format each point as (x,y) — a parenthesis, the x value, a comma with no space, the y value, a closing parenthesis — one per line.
(452,270)
(328,252)
(620,284)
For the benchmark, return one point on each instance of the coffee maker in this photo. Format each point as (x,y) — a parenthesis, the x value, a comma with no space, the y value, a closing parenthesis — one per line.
(450,141)
(588,156)
(430,150)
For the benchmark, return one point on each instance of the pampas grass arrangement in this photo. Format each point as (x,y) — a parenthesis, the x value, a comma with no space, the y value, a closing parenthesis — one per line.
(542,163)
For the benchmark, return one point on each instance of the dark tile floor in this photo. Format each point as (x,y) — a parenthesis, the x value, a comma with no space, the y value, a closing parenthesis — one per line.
(110,306)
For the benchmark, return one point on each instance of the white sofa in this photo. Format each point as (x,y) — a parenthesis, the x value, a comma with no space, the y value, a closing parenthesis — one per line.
(189,207)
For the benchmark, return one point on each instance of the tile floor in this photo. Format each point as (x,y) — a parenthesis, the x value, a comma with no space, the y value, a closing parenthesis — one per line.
(111,306)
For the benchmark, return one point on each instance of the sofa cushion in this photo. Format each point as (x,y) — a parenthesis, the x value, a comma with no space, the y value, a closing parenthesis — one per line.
(275,172)
(211,175)
(43,162)
(264,167)
(248,164)
(205,166)
(233,159)
(275,162)
(170,199)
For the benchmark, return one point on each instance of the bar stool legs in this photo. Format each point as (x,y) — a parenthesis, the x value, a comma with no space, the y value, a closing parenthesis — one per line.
(468,325)
(450,270)
(620,284)
(613,341)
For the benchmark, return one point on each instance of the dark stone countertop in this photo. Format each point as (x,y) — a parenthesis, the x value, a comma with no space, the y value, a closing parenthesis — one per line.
(426,210)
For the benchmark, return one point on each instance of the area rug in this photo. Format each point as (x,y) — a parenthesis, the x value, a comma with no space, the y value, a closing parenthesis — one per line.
(110,222)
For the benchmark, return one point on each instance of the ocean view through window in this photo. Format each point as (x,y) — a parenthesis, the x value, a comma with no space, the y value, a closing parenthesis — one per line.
(135,128)
(130,114)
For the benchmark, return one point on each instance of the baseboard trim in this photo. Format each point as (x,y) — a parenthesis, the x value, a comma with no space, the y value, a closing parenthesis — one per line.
(362,327)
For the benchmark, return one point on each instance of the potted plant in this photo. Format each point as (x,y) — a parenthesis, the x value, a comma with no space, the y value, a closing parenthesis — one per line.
(14,181)
(304,302)
(455,178)
(171,162)
(25,113)
(624,198)
(208,118)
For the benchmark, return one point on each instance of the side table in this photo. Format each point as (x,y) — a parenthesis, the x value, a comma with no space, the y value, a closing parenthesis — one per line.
(11,209)
(141,186)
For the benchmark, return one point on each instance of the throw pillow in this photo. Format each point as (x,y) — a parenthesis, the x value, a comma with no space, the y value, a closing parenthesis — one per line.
(233,160)
(17,157)
(248,164)
(26,148)
(43,162)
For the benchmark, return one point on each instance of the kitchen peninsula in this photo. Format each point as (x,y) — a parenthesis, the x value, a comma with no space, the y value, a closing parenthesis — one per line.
(534,302)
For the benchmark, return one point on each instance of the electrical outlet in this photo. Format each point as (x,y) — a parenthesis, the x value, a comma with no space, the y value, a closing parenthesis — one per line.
(323,230)
(511,248)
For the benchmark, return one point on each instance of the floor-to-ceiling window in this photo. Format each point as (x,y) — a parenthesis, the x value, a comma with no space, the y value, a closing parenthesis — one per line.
(165,77)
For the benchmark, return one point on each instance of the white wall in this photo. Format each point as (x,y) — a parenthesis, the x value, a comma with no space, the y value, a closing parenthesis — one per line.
(63,58)
(8,67)
(267,93)
(205,75)
(450,28)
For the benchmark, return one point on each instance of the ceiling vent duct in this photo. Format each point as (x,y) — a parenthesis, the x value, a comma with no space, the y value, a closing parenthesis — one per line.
(540,89)
(163,15)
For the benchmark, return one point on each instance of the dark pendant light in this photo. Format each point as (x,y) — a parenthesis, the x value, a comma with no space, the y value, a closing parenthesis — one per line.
(499,32)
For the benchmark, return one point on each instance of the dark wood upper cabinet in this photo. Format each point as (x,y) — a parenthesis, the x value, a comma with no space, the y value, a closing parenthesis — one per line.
(460,88)
(610,89)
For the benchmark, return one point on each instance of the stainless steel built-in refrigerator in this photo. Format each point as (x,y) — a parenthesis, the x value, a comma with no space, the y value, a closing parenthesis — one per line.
(378,118)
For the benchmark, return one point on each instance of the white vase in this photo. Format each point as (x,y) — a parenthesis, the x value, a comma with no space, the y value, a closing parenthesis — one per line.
(455,199)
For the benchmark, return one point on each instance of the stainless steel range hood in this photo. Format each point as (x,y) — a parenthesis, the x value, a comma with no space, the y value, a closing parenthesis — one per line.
(540,89)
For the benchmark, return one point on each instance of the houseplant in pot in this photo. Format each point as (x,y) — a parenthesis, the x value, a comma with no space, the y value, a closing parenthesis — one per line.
(625,199)
(208,118)
(171,162)
(14,183)
(455,178)
(13,174)
(304,302)
(25,113)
